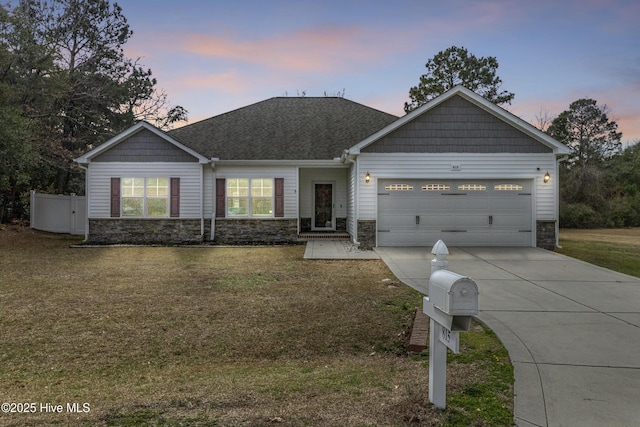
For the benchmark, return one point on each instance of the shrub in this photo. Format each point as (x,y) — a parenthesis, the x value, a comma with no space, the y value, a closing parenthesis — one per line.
(623,212)
(579,215)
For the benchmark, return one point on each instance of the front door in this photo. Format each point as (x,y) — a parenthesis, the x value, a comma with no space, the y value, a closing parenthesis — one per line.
(323,206)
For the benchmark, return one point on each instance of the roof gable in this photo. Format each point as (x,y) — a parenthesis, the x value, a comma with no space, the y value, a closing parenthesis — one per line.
(460,121)
(284,128)
(141,142)
(456,126)
(145,146)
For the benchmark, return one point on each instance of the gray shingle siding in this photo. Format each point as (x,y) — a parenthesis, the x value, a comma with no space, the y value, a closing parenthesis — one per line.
(285,128)
(457,126)
(145,146)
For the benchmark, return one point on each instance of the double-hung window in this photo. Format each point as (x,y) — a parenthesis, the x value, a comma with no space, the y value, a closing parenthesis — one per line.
(145,197)
(250,197)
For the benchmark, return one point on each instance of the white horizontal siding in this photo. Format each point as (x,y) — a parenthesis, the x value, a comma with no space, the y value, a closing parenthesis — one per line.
(472,166)
(289,173)
(100,174)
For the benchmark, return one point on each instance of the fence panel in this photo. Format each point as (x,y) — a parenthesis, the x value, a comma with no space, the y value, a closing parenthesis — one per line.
(58,213)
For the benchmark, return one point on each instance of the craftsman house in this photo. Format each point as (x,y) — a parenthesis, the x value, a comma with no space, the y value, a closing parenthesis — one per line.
(459,169)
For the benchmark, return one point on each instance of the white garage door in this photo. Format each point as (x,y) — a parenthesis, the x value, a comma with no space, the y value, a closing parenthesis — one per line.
(461,213)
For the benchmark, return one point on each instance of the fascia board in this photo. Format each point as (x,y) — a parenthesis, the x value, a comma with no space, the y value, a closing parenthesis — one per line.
(301,163)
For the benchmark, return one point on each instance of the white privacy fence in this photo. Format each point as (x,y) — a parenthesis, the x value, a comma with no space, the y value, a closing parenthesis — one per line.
(58,214)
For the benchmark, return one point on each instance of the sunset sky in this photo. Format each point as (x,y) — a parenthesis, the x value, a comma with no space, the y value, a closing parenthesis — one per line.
(215,56)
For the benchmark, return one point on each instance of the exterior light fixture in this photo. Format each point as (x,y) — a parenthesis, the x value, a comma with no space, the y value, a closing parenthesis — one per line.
(546,178)
(367,177)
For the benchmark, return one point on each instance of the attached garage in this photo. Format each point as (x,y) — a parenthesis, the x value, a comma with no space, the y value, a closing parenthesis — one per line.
(459,169)
(461,212)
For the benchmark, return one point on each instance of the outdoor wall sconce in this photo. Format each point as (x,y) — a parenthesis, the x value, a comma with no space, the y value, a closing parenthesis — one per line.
(367,178)
(546,178)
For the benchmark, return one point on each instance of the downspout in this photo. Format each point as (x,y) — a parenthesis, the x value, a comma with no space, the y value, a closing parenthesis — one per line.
(87,201)
(356,205)
(214,201)
(557,184)
(202,204)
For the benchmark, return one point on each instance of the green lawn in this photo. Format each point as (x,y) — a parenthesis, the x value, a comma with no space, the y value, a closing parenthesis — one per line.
(616,249)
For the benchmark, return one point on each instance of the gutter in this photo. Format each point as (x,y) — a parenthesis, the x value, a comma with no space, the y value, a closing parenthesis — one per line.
(213,204)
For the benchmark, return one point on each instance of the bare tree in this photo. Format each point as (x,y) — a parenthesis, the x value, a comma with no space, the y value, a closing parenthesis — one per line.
(543,119)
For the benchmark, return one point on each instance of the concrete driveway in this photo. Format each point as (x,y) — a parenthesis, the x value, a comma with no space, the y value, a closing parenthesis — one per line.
(572,329)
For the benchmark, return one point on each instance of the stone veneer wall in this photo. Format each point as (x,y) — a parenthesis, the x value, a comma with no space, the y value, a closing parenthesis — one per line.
(546,234)
(255,231)
(367,234)
(144,231)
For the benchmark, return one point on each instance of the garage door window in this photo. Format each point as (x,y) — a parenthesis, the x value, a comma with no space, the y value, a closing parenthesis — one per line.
(398,187)
(436,187)
(472,187)
(507,187)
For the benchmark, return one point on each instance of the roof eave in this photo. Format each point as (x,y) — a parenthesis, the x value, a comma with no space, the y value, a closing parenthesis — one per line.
(336,162)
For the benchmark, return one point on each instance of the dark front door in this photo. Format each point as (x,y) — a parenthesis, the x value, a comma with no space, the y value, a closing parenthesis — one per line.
(323,201)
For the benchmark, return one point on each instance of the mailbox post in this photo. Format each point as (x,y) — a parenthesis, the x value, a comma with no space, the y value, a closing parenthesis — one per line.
(452,301)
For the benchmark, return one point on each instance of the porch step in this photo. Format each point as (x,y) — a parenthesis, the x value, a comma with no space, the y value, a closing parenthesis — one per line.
(324,236)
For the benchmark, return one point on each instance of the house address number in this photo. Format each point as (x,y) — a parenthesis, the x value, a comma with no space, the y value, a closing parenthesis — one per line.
(450,339)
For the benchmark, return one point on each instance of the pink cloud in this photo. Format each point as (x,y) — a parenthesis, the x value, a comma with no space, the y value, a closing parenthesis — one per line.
(622,102)
(391,102)
(318,49)
(230,82)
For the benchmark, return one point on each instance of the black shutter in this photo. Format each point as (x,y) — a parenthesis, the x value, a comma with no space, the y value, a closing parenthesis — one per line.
(115,197)
(221,191)
(174,203)
(279,197)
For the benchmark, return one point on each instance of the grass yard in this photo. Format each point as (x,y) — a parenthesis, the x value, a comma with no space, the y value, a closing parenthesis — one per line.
(616,249)
(249,336)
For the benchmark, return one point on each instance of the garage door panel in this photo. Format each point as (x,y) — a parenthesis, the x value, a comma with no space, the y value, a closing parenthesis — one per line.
(511,239)
(469,212)
(431,204)
(391,204)
(471,203)
(471,238)
(471,220)
(511,221)
(436,221)
(399,221)
(519,203)
(400,238)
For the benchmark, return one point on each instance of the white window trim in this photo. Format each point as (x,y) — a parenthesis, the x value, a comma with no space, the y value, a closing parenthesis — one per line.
(250,199)
(145,197)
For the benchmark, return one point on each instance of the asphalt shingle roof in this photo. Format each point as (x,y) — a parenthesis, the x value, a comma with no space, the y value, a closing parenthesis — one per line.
(284,128)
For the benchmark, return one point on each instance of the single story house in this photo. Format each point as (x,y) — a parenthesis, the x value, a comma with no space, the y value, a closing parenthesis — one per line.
(459,168)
